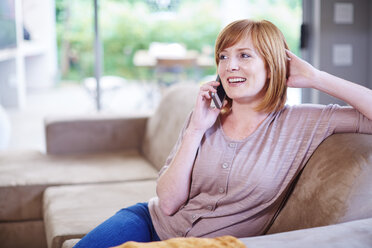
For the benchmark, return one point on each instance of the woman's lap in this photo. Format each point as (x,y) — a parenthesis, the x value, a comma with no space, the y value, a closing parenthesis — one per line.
(129,224)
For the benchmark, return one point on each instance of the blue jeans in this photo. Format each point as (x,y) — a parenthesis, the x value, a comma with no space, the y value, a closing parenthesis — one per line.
(129,224)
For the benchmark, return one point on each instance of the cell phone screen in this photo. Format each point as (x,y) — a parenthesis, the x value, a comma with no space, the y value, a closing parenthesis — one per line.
(220,96)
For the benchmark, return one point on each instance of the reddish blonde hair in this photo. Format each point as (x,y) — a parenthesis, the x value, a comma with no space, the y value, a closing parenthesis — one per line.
(271,45)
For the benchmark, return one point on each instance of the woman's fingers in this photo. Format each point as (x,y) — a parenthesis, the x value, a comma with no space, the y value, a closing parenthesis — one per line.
(208,88)
(290,54)
(206,94)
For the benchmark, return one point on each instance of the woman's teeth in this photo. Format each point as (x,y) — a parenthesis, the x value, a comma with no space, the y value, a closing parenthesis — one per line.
(236,80)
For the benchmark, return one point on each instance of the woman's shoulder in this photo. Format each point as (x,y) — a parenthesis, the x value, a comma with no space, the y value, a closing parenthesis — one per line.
(307,110)
(306,106)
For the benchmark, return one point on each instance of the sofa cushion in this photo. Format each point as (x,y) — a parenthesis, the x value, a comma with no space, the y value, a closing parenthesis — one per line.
(25,175)
(356,234)
(72,211)
(70,243)
(94,133)
(164,126)
(334,187)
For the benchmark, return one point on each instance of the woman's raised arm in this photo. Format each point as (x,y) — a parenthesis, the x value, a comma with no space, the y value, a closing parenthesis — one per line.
(304,75)
(174,184)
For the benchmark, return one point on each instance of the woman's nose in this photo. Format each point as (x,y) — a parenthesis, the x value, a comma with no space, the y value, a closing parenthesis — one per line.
(233,65)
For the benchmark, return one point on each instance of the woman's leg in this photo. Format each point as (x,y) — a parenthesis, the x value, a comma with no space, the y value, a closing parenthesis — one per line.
(129,224)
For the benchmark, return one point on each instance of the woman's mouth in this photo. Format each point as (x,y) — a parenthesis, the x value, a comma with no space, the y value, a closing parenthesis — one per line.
(236,80)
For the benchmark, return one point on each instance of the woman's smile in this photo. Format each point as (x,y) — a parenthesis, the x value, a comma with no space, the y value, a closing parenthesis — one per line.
(236,81)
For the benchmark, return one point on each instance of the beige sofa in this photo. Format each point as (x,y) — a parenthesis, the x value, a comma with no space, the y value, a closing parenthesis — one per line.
(96,165)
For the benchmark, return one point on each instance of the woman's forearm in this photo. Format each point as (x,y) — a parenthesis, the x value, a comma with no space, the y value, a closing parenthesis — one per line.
(174,184)
(355,95)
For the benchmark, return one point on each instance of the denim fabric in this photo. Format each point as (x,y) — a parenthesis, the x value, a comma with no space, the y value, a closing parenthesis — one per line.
(129,224)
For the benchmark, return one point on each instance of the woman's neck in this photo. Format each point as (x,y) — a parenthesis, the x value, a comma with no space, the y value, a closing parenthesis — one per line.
(242,121)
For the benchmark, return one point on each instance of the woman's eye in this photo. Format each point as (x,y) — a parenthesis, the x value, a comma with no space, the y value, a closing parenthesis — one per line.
(244,55)
(222,57)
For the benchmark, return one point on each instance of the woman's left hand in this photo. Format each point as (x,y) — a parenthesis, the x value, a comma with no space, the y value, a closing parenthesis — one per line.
(301,73)
(304,75)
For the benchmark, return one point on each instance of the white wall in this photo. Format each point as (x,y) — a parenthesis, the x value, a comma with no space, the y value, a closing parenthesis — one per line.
(32,64)
(39,19)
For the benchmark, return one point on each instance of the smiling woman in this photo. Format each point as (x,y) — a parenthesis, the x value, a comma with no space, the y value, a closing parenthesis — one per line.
(245,48)
(229,172)
(285,14)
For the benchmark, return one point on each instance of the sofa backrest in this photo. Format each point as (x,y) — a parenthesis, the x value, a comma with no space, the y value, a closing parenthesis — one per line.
(334,187)
(164,126)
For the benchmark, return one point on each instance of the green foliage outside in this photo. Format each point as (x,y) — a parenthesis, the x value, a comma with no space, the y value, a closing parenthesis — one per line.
(127,26)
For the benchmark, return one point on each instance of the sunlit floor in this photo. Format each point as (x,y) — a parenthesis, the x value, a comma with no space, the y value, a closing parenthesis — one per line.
(27,124)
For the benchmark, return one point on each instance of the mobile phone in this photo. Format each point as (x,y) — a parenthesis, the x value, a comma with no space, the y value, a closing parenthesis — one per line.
(219,97)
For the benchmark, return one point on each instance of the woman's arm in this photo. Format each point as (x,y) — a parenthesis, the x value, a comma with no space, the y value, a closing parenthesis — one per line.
(304,75)
(174,184)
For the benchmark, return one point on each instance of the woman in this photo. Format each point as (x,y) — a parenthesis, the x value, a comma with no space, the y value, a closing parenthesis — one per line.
(229,171)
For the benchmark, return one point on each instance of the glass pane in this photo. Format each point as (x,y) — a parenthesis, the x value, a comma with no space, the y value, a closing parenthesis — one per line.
(150,45)
(147,46)
(75,39)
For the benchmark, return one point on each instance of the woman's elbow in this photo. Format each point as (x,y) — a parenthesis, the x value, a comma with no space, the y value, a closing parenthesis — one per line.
(167,207)
(170,200)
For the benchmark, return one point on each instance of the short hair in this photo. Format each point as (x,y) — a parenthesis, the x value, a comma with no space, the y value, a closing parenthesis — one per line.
(271,45)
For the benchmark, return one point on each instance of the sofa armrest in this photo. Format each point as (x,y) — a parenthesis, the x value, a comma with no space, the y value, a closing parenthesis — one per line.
(95,133)
(356,234)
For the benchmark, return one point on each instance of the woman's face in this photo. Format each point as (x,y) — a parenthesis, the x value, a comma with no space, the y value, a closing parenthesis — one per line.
(243,72)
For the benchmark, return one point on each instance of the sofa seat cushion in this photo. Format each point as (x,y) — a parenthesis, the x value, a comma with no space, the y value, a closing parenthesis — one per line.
(25,175)
(72,211)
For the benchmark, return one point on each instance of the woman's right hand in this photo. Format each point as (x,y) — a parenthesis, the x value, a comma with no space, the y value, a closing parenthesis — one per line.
(204,116)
